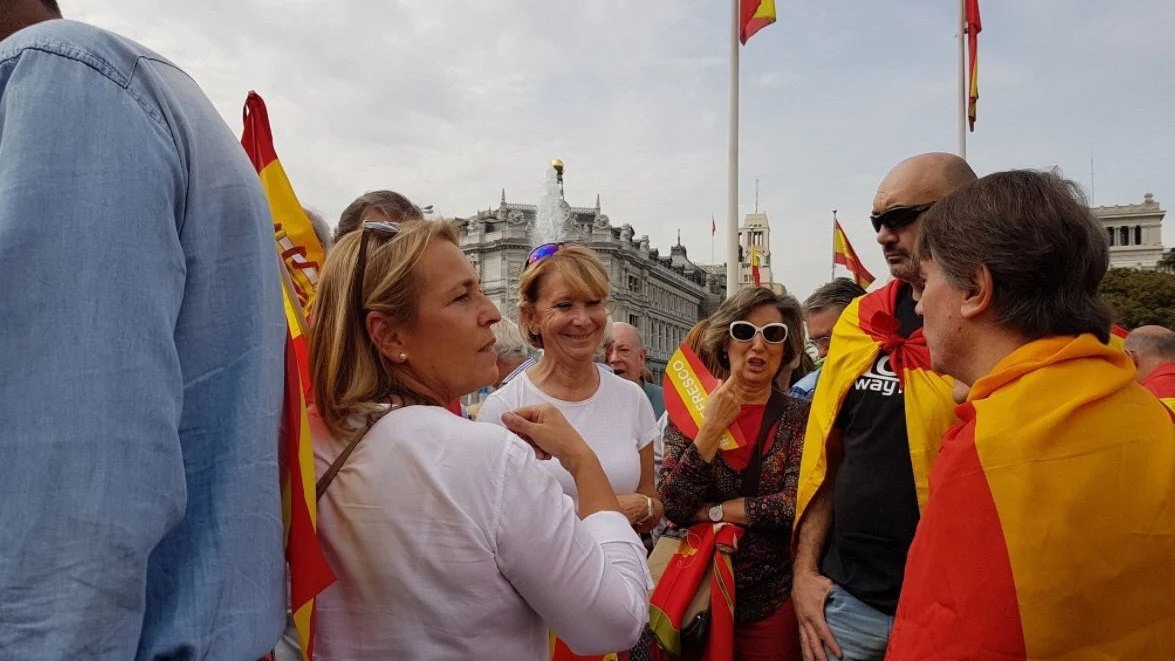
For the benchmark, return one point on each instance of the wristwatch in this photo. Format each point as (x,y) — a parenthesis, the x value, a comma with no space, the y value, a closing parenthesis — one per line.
(716,513)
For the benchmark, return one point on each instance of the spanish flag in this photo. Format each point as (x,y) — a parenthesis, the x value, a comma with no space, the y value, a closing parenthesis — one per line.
(298,246)
(754,15)
(974,26)
(1050,532)
(843,254)
(867,327)
(755,266)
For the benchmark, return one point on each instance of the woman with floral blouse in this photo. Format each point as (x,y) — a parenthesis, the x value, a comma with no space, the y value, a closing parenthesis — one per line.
(752,336)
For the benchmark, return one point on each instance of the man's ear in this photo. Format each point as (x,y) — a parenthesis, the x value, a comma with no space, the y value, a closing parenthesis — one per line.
(388,336)
(979,296)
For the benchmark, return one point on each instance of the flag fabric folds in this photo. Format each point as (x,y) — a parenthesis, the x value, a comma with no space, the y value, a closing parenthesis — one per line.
(713,226)
(754,15)
(704,554)
(302,255)
(974,27)
(866,327)
(755,266)
(843,254)
(1050,530)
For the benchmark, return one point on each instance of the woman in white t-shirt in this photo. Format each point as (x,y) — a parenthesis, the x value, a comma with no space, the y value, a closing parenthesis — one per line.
(562,311)
(449,538)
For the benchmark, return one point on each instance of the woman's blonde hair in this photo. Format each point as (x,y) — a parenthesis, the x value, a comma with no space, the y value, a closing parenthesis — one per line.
(349,374)
(716,334)
(581,270)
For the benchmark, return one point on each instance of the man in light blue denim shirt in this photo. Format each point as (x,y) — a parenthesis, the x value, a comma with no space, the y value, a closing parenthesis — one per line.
(141,337)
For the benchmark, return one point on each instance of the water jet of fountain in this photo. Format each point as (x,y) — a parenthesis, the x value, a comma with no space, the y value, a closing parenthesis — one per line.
(550,212)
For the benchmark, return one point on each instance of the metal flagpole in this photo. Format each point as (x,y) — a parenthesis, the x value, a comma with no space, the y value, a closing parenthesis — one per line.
(833,276)
(732,263)
(962,29)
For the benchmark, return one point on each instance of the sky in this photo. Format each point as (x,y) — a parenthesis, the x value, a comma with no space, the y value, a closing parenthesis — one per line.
(450,101)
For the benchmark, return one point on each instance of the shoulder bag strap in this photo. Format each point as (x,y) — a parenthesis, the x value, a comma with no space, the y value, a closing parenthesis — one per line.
(750,485)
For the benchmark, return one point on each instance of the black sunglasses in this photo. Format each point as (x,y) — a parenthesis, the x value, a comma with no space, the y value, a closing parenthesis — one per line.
(898,217)
(383,227)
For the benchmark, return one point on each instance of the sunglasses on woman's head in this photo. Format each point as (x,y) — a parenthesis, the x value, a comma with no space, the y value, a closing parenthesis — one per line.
(544,251)
(745,331)
(383,227)
(898,217)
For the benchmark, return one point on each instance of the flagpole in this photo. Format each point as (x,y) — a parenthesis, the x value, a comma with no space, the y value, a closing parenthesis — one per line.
(732,263)
(961,27)
(833,276)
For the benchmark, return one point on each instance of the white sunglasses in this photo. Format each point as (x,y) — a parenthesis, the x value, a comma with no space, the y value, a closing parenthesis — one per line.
(745,331)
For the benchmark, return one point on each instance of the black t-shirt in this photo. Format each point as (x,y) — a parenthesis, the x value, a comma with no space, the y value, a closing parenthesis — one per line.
(875,504)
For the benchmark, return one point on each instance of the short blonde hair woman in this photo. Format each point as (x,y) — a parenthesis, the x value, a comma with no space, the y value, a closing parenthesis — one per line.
(747,338)
(563,311)
(448,538)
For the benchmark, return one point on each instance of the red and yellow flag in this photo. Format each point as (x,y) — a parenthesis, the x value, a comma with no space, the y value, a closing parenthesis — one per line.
(302,255)
(755,266)
(866,327)
(754,15)
(687,383)
(843,254)
(974,27)
(1050,531)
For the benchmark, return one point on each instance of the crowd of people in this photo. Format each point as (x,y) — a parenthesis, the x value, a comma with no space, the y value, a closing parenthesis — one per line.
(978,469)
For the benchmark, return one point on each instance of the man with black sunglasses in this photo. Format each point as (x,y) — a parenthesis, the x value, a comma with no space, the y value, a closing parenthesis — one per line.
(877,418)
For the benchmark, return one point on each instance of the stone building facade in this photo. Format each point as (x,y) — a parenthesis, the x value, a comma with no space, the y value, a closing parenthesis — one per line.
(663,295)
(1135,232)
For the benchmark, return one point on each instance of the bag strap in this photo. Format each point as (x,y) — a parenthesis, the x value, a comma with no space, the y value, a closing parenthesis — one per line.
(329,475)
(774,410)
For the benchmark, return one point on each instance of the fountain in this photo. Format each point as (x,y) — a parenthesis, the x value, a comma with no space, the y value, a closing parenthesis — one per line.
(551,212)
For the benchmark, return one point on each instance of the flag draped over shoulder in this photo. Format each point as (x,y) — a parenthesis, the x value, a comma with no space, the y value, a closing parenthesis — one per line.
(843,254)
(974,26)
(1050,531)
(866,327)
(754,15)
(302,255)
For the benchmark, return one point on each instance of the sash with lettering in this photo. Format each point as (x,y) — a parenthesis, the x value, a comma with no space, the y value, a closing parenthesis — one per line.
(686,384)
(1050,531)
(867,327)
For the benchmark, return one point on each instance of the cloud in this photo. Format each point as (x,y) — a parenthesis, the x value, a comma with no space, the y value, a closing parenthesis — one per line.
(451,101)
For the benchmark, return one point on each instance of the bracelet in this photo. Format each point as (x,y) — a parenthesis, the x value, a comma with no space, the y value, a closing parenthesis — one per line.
(651,512)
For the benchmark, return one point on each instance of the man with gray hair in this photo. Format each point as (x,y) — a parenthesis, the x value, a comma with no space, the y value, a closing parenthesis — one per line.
(626,356)
(821,312)
(514,354)
(1152,348)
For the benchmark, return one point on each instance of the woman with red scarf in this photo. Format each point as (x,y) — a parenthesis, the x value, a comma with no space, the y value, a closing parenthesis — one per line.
(753,336)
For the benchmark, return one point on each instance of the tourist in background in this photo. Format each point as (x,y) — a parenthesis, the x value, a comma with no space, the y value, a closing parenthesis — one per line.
(514,354)
(821,312)
(747,336)
(878,416)
(141,360)
(563,312)
(627,355)
(1152,348)
(1050,528)
(385,205)
(449,538)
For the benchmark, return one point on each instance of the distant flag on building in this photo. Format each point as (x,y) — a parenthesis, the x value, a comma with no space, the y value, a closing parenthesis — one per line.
(754,16)
(755,265)
(302,255)
(843,254)
(974,27)
(713,226)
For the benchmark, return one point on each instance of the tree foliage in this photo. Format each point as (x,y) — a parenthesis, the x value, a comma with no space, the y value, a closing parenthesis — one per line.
(1140,298)
(1167,263)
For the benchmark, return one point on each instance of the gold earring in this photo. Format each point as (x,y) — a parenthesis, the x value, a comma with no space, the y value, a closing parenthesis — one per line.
(403,356)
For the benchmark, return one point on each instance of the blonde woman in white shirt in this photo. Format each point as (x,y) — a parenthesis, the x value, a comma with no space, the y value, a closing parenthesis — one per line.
(448,537)
(562,311)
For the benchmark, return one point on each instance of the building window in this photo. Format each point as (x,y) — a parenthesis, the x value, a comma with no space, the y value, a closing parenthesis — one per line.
(1124,236)
(634,283)
(490,228)
(1111,231)
(633,321)
(1138,235)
